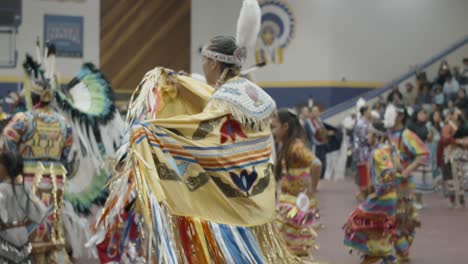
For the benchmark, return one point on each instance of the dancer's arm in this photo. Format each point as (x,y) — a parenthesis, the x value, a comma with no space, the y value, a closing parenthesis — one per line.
(315,170)
(413,166)
(417,149)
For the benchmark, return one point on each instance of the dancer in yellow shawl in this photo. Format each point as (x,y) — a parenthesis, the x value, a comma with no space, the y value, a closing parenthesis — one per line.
(194,183)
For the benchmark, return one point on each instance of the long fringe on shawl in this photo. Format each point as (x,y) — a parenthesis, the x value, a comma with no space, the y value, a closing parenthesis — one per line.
(174,239)
(259,124)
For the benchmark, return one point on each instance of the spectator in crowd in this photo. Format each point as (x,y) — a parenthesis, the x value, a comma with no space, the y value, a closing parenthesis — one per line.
(461,102)
(456,73)
(437,123)
(451,87)
(454,134)
(320,136)
(459,157)
(435,126)
(411,94)
(439,98)
(304,114)
(450,108)
(395,96)
(424,97)
(464,72)
(304,119)
(362,150)
(444,71)
(443,162)
(379,108)
(418,124)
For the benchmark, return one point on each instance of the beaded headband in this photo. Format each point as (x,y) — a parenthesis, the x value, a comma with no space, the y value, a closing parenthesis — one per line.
(238,58)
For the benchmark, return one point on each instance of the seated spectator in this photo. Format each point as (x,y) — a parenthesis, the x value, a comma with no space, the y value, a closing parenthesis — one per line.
(461,102)
(424,98)
(395,96)
(436,120)
(464,72)
(439,97)
(451,87)
(449,109)
(418,125)
(410,95)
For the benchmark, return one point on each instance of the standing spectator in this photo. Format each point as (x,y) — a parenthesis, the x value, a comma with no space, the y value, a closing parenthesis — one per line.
(435,126)
(451,87)
(448,153)
(304,118)
(410,95)
(458,158)
(444,71)
(320,137)
(361,151)
(395,96)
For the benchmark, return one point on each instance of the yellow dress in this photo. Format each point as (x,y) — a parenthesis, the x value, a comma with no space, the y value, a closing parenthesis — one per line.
(296,214)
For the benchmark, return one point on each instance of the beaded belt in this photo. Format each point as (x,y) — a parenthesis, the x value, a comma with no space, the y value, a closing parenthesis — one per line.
(15,224)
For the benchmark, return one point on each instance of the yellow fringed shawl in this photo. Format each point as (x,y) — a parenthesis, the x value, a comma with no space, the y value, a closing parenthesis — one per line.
(203,158)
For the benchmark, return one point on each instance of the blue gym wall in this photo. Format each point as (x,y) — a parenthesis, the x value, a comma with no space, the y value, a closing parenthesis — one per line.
(284,96)
(326,96)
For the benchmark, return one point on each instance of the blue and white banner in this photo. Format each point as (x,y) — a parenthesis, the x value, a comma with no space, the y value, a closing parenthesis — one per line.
(276,32)
(66,32)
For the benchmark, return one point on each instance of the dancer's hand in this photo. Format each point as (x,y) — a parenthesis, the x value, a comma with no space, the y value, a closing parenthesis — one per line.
(405,174)
(183,73)
(171,79)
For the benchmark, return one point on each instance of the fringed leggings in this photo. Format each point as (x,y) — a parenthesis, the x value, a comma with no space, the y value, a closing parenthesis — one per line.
(407,219)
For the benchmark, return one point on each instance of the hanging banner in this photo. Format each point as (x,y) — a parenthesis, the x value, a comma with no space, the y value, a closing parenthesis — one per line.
(66,32)
(276,32)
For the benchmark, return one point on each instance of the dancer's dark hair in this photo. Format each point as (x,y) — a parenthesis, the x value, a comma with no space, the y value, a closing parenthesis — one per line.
(295,132)
(14,165)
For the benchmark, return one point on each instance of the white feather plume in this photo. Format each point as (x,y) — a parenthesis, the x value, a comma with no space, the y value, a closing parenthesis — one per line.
(248,23)
(348,122)
(360,103)
(390,116)
(375,114)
